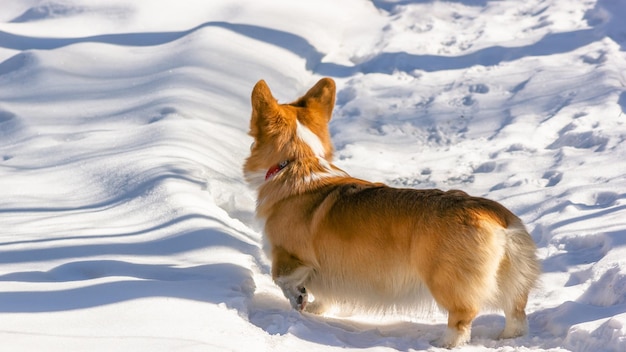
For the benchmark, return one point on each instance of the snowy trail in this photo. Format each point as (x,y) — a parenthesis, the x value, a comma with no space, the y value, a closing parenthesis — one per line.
(125,221)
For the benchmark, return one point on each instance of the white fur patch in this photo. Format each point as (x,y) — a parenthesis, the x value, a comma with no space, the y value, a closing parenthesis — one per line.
(330,172)
(255,179)
(311,139)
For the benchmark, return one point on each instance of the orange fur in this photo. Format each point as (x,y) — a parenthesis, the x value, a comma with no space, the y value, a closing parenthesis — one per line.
(366,245)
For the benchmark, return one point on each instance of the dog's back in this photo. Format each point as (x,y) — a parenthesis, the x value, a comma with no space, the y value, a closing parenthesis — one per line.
(379,246)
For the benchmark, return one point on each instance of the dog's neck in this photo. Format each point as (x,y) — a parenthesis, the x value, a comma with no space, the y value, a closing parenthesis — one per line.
(272,171)
(297,177)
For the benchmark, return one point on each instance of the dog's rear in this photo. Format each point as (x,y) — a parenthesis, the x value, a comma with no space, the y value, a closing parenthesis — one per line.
(368,245)
(379,247)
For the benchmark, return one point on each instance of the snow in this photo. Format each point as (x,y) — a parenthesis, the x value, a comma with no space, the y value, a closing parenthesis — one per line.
(126,222)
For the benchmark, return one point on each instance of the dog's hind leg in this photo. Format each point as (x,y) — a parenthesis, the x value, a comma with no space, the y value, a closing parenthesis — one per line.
(290,274)
(459,327)
(517,275)
(516,323)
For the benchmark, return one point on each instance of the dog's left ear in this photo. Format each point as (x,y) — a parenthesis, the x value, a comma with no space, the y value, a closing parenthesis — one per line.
(321,96)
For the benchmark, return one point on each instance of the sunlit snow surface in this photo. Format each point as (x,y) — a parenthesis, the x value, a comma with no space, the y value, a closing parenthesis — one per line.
(125,223)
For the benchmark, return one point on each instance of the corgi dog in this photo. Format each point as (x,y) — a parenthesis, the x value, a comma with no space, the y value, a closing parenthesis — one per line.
(346,241)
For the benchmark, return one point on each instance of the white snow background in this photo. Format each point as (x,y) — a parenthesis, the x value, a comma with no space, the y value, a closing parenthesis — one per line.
(125,223)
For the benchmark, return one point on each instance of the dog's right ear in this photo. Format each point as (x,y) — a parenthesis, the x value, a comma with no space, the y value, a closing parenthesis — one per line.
(265,109)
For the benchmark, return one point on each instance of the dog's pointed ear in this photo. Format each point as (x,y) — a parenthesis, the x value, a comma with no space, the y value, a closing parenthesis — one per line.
(265,108)
(262,99)
(321,96)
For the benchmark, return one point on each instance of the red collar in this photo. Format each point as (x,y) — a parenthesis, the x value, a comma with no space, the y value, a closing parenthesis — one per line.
(276,169)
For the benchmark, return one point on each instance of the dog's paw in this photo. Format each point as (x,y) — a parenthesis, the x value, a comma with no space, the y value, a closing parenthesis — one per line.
(302,298)
(298,297)
(452,338)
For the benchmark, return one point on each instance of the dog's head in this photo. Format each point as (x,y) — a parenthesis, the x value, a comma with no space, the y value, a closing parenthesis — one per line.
(285,133)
